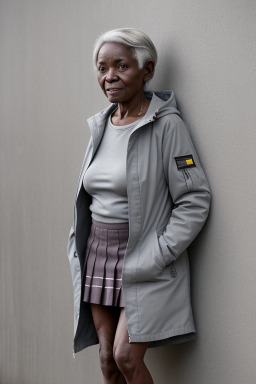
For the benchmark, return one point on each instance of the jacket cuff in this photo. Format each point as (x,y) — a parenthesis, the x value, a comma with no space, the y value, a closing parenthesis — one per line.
(166,252)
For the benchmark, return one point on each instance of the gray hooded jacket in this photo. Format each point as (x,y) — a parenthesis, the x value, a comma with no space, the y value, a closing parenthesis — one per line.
(168,199)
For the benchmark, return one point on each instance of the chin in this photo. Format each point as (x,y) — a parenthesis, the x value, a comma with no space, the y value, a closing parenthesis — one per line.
(114,99)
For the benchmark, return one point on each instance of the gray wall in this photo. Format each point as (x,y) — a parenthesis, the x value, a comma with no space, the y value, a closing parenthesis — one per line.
(47,90)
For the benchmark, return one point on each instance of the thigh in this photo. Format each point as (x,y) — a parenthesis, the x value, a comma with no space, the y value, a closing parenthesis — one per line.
(105,320)
(121,342)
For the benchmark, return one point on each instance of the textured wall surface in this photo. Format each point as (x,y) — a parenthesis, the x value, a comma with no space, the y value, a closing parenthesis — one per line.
(47,90)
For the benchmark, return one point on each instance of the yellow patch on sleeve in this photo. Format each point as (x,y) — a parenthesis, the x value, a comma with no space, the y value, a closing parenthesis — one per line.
(184,162)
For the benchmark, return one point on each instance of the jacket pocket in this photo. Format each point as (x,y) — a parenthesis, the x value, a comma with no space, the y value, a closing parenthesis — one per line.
(151,263)
(159,232)
(170,266)
(194,179)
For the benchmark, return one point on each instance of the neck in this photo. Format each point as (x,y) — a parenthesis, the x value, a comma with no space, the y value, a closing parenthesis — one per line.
(133,109)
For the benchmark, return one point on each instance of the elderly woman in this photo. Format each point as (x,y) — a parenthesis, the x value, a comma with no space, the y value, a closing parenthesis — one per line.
(142,198)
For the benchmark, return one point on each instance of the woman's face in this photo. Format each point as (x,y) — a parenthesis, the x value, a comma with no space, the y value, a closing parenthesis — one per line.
(118,73)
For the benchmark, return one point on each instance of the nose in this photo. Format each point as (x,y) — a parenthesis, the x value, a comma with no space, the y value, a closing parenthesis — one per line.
(111,75)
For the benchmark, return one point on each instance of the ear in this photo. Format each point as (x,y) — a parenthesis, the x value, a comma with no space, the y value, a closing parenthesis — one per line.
(149,69)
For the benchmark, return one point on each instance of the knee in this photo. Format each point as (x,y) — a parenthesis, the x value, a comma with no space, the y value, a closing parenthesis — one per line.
(124,360)
(107,361)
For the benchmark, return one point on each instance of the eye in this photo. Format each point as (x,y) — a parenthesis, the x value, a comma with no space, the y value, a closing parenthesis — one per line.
(101,68)
(122,66)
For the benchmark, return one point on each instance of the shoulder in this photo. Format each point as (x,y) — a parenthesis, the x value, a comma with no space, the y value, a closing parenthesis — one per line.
(170,124)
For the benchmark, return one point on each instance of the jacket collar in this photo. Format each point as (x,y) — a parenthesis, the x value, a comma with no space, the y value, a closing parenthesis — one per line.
(161,104)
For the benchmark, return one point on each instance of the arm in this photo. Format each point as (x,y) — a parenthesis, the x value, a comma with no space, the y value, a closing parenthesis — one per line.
(189,191)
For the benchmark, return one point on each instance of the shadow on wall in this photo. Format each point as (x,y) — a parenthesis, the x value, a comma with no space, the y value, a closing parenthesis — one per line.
(167,69)
(162,361)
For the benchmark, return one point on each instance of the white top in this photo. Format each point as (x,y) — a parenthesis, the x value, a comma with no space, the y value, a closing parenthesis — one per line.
(105,179)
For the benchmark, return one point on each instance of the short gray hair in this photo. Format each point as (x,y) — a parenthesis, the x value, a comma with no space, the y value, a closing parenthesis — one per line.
(143,48)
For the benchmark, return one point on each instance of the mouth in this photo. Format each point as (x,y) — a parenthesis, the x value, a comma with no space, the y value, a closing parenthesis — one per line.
(112,91)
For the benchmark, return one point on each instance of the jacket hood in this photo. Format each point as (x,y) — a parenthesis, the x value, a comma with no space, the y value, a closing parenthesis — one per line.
(162,103)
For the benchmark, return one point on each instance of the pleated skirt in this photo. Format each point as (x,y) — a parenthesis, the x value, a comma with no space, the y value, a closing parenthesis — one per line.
(104,263)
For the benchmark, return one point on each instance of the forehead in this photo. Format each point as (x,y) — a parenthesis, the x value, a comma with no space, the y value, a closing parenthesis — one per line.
(114,51)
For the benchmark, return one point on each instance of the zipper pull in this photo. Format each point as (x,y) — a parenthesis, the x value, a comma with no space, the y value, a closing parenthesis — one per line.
(129,338)
(74,355)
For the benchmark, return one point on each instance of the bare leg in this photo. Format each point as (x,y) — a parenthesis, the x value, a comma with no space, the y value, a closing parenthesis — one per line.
(129,357)
(105,321)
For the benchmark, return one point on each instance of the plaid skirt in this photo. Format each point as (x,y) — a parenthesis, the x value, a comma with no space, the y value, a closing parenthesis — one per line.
(104,263)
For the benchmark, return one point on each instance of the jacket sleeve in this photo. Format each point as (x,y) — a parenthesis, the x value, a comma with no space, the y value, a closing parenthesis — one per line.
(189,191)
